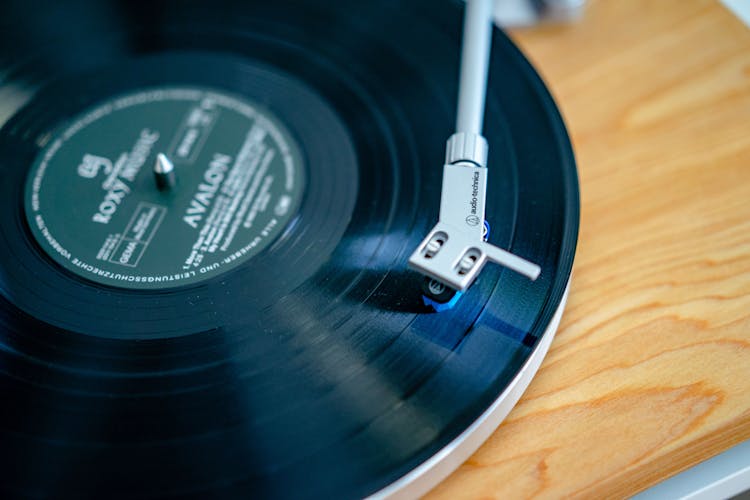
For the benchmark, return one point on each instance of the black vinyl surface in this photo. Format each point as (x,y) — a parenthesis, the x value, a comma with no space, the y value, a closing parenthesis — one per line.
(314,370)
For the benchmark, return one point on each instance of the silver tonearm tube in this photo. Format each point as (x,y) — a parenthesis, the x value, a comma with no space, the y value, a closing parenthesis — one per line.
(455,251)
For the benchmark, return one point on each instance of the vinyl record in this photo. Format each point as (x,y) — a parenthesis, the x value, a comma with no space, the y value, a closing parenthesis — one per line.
(252,329)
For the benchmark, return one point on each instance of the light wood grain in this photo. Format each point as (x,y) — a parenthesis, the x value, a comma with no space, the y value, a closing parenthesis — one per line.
(650,371)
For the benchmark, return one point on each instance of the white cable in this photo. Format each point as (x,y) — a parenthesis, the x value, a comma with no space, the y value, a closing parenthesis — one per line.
(475,58)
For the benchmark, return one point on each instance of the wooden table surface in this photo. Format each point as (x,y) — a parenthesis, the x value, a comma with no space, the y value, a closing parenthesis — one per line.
(650,371)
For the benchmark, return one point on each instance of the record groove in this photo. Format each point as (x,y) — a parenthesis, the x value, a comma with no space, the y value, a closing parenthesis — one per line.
(312,369)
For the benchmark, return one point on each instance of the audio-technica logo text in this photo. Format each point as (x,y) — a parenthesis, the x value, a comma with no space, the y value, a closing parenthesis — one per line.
(473,218)
(474,193)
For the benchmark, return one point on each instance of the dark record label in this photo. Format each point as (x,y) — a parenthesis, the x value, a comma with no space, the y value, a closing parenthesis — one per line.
(93,204)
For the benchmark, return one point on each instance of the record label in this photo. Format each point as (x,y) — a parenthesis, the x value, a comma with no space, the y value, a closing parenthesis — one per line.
(252,328)
(94,206)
